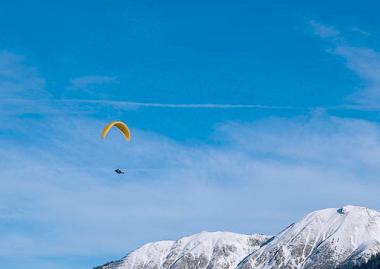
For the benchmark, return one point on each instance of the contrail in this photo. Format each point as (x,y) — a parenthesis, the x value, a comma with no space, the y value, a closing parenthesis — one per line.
(135,105)
(171,105)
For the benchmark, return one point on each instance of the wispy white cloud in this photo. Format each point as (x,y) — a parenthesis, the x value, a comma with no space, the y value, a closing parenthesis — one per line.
(322,30)
(363,61)
(18,78)
(360,31)
(81,83)
(22,88)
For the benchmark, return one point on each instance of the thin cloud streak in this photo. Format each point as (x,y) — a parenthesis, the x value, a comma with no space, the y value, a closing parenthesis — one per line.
(128,104)
(171,105)
(49,106)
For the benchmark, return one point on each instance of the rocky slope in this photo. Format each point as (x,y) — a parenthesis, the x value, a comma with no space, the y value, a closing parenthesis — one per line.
(324,239)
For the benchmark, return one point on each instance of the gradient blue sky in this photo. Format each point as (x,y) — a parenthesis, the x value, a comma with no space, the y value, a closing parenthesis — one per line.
(245,116)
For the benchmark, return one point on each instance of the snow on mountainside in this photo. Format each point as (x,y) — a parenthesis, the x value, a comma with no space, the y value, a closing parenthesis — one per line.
(323,239)
(149,256)
(204,250)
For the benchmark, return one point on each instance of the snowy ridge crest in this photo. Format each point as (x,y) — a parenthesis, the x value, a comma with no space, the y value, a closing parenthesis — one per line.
(203,250)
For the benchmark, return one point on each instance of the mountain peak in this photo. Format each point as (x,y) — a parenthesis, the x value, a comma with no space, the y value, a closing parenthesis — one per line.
(322,239)
(356,210)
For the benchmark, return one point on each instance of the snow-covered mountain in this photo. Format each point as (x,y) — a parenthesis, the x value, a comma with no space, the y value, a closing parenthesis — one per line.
(323,239)
(200,251)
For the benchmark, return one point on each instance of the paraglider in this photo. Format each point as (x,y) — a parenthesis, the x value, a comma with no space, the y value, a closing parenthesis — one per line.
(118,171)
(122,127)
(124,130)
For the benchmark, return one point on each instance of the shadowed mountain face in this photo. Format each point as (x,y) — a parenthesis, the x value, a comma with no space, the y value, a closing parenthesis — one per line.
(324,239)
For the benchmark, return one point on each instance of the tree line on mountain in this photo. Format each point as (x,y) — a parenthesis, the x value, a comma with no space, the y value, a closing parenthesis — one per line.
(372,263)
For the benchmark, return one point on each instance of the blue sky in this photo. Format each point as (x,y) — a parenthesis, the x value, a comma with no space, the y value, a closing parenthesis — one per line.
(245,116)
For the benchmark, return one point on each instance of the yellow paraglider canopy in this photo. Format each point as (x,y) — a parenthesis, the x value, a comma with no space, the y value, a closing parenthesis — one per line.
(122,127)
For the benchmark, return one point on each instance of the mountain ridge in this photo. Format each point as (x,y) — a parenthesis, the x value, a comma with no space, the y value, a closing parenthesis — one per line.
(323,239)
